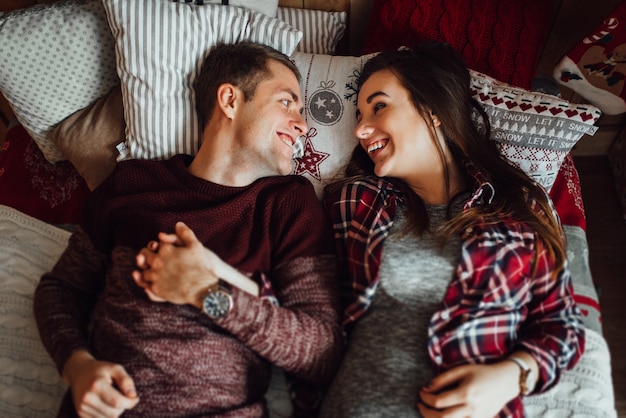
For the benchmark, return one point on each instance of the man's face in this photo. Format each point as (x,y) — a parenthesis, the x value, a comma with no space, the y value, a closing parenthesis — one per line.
(269,124)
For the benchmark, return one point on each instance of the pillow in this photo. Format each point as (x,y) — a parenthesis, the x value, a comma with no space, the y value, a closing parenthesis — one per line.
(321,30)
(503,39)
(54,193)
(267,7)
(29,382)
(595,67)
(157,68)
(533,130)
(329,94)
(567,195)
(56,59)
(89,137)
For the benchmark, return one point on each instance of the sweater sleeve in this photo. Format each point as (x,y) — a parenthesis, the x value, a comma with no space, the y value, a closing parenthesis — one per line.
(65,297)
(302,334)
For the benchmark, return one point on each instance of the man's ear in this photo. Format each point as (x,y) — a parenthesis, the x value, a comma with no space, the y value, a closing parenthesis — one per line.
(226,99)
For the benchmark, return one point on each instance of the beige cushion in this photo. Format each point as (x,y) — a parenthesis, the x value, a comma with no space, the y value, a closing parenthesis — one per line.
(88,138)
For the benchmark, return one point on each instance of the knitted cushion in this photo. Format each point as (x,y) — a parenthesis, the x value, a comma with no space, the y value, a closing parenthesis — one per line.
(503,39)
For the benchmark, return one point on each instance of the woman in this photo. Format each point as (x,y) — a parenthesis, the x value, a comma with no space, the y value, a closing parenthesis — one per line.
(458,297)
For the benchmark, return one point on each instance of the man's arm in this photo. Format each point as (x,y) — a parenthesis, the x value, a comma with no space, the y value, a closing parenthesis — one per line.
(302,335)
(63,303)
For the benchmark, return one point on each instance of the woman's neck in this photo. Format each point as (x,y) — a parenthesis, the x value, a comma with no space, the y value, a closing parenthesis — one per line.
(433,190)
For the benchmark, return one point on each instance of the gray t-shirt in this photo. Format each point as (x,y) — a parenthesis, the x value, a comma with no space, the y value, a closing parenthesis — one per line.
(387,361)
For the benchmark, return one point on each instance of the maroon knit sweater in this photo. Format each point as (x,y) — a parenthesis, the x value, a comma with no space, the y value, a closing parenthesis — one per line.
(184,364)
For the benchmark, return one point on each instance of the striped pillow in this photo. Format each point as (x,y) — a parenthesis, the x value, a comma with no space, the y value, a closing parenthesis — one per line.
(267,7)
(321,30)
(159,47)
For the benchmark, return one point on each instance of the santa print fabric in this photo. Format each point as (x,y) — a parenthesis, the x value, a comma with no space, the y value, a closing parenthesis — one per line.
(595,68)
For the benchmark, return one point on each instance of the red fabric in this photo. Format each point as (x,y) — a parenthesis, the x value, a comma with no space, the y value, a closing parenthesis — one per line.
(53,193)
(503,39)
(595,67)
(617,158)
(567,196)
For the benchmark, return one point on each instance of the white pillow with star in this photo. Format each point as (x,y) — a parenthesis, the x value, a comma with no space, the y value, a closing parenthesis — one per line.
(329,89)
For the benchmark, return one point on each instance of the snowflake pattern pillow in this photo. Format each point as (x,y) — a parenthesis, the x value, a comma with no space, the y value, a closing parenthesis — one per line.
(533,130)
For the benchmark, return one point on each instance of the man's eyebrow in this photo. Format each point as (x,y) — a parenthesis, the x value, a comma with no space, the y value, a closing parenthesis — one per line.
(293,94)
(295,98)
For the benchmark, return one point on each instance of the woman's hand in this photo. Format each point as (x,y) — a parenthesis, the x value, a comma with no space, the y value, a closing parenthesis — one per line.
(99,389)
(477,391)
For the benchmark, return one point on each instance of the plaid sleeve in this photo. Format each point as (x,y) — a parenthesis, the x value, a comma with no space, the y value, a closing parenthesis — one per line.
(362,214)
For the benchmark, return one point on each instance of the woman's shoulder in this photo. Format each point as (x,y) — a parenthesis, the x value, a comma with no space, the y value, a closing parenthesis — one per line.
(505,231)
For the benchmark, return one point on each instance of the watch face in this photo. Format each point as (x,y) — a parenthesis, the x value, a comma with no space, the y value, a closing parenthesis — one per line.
(217,304)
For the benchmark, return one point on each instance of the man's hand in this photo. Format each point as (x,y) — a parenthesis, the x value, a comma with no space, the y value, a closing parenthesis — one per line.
(477,391)
(177,269)
(99,389)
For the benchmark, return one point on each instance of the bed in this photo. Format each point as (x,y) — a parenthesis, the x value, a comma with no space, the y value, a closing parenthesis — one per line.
(84,77)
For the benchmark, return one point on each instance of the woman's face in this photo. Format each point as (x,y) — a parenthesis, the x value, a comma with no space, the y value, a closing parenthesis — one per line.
(392,132)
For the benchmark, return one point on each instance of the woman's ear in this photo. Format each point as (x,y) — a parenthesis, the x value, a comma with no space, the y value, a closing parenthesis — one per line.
(435,119)
(226,95)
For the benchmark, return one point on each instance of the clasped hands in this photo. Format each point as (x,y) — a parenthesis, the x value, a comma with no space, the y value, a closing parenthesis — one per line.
(179,269)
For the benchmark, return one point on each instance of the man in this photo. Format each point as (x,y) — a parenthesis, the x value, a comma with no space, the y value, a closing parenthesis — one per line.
(242,234)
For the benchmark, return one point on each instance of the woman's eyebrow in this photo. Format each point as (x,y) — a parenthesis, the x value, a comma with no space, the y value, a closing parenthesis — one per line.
(370,98)
(374,95)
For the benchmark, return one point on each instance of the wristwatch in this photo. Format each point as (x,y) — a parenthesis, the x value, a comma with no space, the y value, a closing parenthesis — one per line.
(526,378)
(218,301)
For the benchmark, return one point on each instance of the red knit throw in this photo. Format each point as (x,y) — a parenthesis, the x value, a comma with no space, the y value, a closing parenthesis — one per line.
(503,39)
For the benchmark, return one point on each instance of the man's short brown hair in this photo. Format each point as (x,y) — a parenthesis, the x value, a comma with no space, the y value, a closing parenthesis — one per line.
(243,64)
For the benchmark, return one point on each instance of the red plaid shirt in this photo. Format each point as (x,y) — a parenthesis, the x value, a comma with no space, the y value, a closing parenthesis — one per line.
(499,300)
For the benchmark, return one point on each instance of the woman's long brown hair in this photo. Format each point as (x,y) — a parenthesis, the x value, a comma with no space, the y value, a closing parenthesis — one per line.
(438,81)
